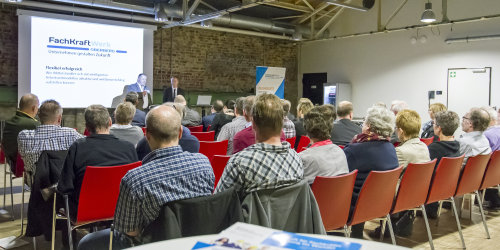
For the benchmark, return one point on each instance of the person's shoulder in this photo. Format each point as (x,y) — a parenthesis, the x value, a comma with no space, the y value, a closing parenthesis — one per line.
(26,134)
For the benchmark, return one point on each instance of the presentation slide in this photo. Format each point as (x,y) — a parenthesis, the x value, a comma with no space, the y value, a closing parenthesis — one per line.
(81,63)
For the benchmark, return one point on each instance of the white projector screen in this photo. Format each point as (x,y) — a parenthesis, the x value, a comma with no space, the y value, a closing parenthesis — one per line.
(81,61)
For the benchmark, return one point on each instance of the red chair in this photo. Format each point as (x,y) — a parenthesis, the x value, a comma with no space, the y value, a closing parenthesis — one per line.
(144,130)
(413,190)
(444,185)
(218,164)
(341,146)
(376,197)
(211,148)
(196,128)
(333,195)
(291,141)
(427,141)
(204,136)
(303,142)
(492,174)
(86,132)
(470,182)
(208,128)
(7,172)
(98,197)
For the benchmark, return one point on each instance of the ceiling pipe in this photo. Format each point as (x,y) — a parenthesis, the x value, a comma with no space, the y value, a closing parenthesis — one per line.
(106,4)
(471,39)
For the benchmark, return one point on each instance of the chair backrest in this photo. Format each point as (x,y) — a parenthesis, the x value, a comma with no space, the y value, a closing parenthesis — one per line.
(144,130)
(376,196)
(19,166)
(99,192)
(204,136)
(218,164)
(291,141)
(472,174)
(492,174)
(2,155)
(445,180)
(196,128)
(414,186)
(303,142)
(341,146)
(208,128)
(427,141)
(211,148)
(333,195)
(86,132)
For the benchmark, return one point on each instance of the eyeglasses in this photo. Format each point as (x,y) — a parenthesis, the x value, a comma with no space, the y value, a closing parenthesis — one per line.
(466,118)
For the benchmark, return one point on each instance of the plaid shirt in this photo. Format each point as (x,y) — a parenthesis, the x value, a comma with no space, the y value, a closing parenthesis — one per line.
(31,143)
(262,166)
(167,174)
(288,128)
(229,130)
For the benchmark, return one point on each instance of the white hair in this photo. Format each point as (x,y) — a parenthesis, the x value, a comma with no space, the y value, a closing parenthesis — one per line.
(398,105)
(380,120)
(492,113)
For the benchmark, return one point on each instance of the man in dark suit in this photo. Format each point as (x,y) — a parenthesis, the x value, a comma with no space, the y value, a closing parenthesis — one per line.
(140,116)
(24,119)
(344,129)
(171,92)
(143,91)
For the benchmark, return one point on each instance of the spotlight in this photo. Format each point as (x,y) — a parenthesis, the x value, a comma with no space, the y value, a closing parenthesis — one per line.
(428,15)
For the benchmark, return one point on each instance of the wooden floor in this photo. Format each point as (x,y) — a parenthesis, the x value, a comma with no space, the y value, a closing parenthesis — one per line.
(445,235)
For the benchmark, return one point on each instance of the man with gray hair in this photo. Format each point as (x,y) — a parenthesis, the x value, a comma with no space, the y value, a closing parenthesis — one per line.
(473,142)
(344,129)
(492,133)
(140,116)
(98,149)
(48,136)
(191,118)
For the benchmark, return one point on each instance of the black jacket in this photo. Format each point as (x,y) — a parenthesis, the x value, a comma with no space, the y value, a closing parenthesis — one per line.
(168,95)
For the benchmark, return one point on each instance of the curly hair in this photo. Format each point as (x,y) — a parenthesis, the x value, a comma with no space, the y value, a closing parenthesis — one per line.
(317,124)
(380,120)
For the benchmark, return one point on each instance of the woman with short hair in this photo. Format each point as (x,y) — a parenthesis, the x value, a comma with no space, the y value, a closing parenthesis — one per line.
(427,129)
(411,149)
(304,106)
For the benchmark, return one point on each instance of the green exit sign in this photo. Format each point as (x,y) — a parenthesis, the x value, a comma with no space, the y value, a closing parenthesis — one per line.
(453,74)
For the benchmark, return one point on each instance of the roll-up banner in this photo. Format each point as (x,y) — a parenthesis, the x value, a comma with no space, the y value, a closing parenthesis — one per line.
(271,80)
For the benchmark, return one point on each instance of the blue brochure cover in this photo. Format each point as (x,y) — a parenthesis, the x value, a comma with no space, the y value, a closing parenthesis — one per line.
(299,242)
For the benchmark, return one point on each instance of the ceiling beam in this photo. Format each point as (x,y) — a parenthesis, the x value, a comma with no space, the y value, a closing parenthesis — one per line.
(192,8)
(327,24)
(316,11)
(308,5)
(328,12)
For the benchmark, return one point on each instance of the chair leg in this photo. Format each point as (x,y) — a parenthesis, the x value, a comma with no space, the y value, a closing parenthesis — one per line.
(393,239)
(4,182)
(458,221)
(439,212)
(54,223)
(111,236)
(346,231)
(68,220)
(382,229)
(34,243)
(22,206)
(429,234)
(11,198)
(479,201)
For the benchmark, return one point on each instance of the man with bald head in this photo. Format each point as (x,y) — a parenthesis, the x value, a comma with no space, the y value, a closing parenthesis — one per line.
(191,117)
(344,129)
(24,119)
(167,174)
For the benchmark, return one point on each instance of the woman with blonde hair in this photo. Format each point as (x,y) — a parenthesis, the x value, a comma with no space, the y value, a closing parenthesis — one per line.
(427,129)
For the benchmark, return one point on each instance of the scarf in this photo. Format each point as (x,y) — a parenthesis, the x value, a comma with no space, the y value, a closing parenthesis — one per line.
(370,136)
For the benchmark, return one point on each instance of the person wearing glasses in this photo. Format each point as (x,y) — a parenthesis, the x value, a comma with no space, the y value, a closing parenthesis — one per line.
(474,142)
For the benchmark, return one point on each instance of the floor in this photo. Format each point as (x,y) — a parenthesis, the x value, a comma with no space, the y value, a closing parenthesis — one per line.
(445,235)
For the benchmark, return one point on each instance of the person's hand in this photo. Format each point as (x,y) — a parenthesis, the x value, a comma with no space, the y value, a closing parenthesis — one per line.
(144,93)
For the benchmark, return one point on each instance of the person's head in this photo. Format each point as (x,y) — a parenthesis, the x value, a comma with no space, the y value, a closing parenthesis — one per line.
(178,107)
(217,106)
(435,108)
(318,127)
(97,120)
(286,105)
(163,127)
(141,79)
(247,107)
(50,113)
(446,123)
(174,81)
(493,115)
(379,120)
(132,97)
(303,107)
(180,99)
(229,105)
(475,120)
(267,114)
(328,111)
(345,110)
(238,107)
(397,106)
(29,104)
(124,113)
(381,104)
(407,124)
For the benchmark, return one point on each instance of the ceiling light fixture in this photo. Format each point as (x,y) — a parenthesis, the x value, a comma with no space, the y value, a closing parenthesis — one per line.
(428,15)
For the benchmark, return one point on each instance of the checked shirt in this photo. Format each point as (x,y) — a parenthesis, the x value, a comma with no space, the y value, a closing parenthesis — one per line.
(167,174)
(262,166)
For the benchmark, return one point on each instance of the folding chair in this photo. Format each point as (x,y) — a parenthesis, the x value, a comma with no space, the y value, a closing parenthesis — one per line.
(218,163)
(291,141)
(98,197)
(211,148)
(204,136)
(491,176)
(196,128)
(303,142)
(427,141)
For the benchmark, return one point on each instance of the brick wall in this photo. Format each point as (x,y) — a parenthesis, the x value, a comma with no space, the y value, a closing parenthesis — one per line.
(8,46)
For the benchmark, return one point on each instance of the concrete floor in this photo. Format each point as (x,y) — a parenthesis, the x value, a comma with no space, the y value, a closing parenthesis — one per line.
(445,235)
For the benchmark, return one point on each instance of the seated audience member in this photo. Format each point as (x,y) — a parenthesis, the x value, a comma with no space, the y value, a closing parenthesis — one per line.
(445,123)
(229,130)
(287,105)
(188,142)
(246,137)
(344,129)
(216,108)
(492,133)
(473,142)
(304,106)
(288,126)
(167,174)
(223,118)
(139,116)
(411,149)
(427,129)
(397,106)
(47,136)
(98,149)
(322,158)
(268,164)
(371,150)
(191,117)
(24,119)
(122,129)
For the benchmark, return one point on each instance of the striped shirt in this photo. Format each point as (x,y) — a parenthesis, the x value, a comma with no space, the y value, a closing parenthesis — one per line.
(31,143)
(262,166)
(167,174)
(229,130)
